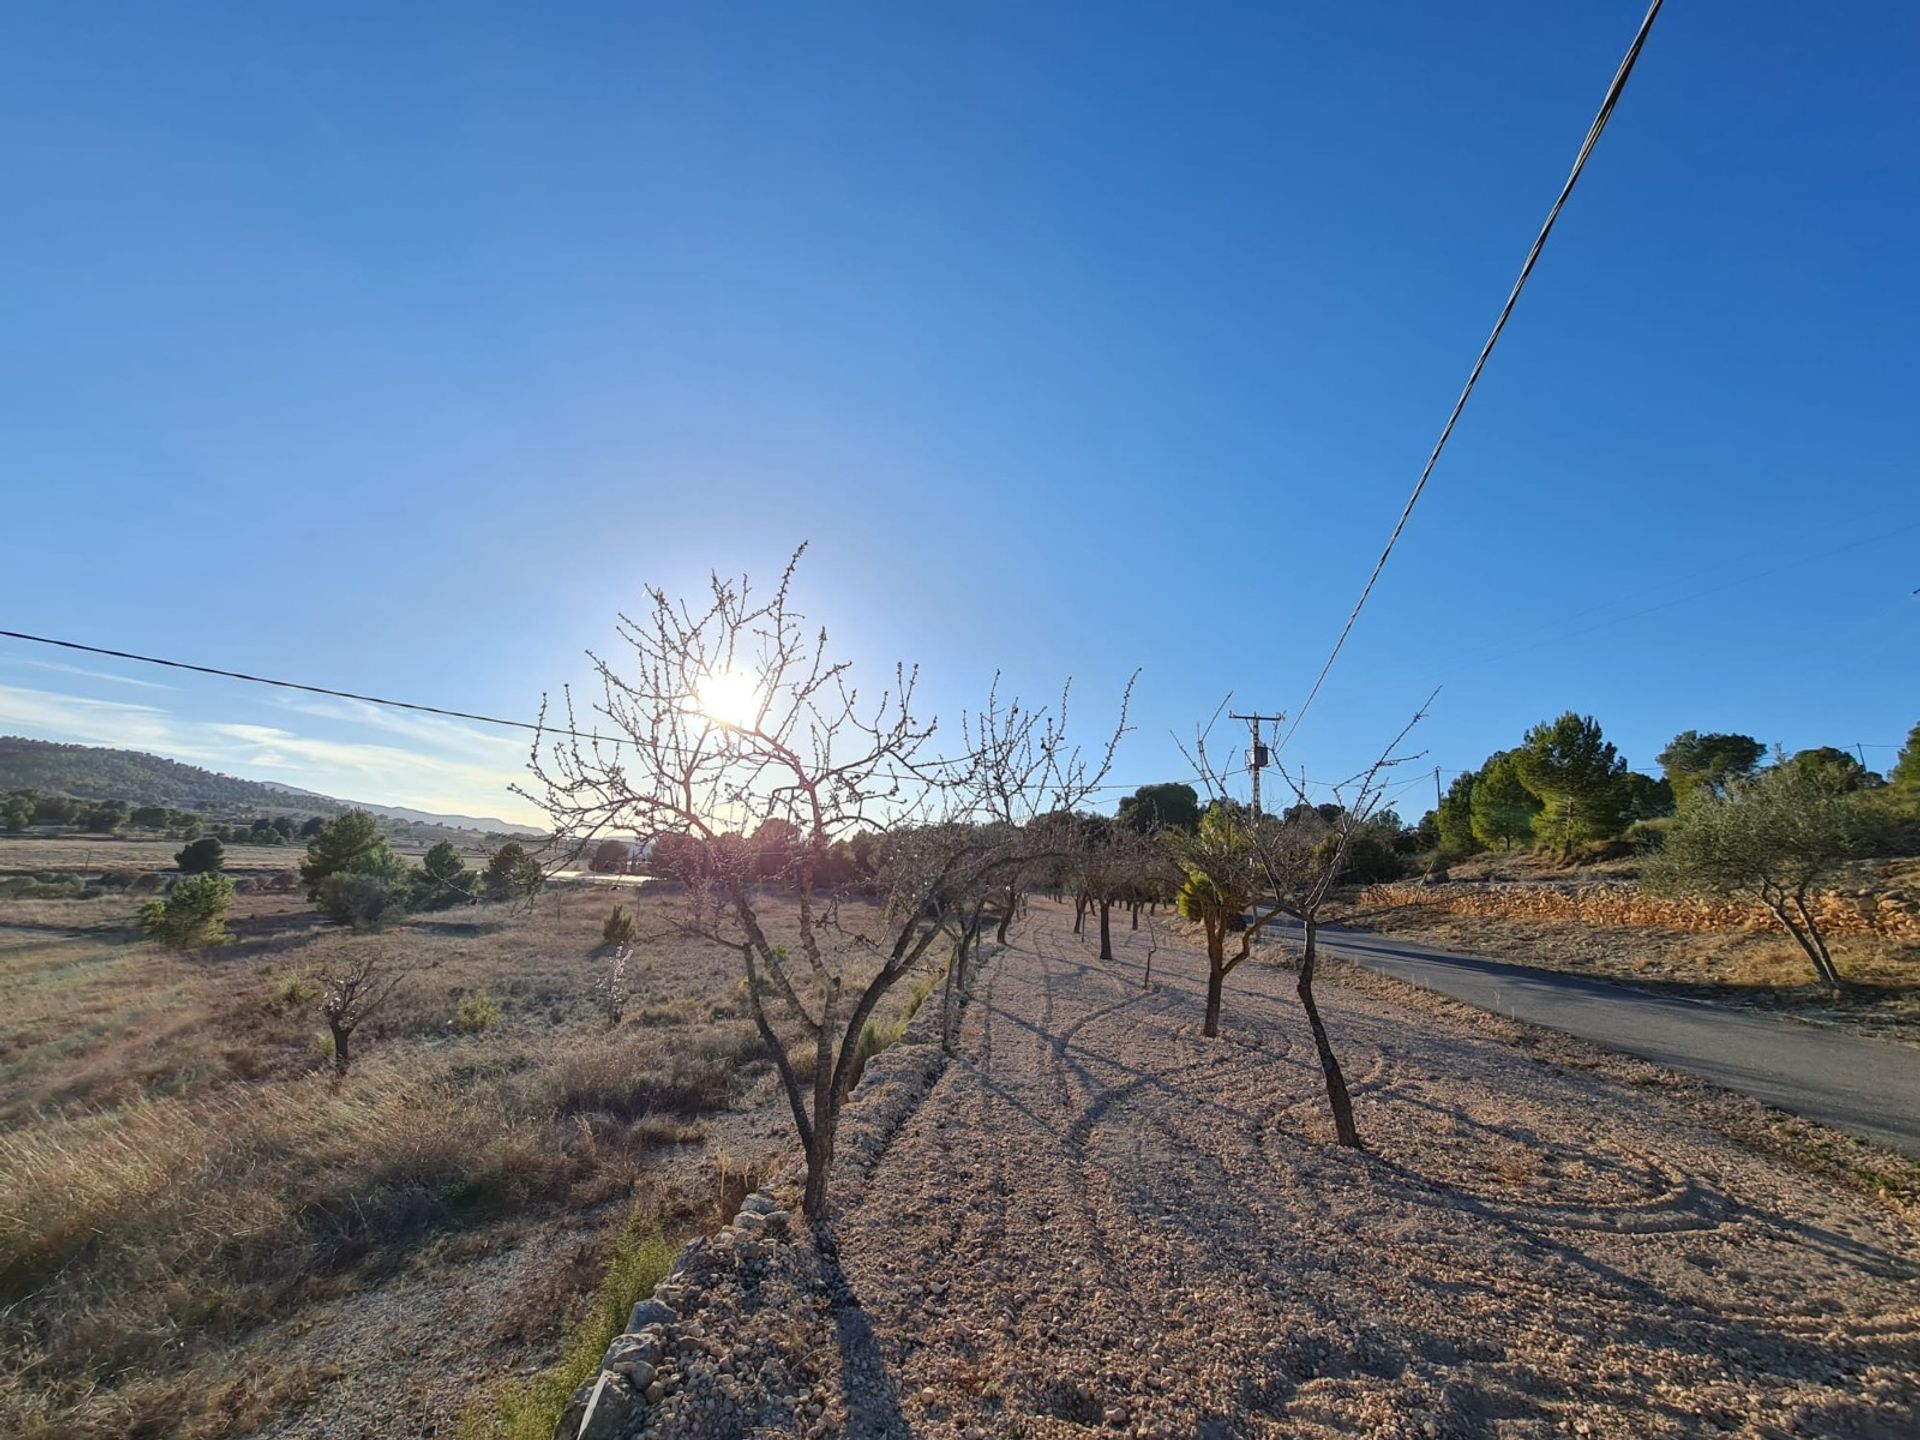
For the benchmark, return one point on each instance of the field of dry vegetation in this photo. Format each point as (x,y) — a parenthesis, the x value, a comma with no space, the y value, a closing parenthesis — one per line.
(185,1188)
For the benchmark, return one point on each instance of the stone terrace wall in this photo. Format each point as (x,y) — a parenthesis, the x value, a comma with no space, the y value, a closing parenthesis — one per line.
(1890,913)
(738,1339)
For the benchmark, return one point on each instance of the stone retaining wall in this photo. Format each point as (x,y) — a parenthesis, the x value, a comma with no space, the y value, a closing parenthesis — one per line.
(725,1345)
(1891,913)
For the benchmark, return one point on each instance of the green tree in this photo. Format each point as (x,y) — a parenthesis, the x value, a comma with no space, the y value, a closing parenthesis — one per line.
(1905,775)
(442,880)
(1221,878)
(16,813)
(1501,809)
(192,915)
(151,817)
(1579,778)
(611,857)
(1839,766)
(1696,763)
(349,844)
(54,809)
(314,825)
(1172,806)
(1648,798)
(1775,838)
(201,857)
(105,817)
(1454,817)
(511,873)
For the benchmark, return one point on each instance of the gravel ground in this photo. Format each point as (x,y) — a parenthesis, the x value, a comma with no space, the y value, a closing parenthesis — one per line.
(1100,1221)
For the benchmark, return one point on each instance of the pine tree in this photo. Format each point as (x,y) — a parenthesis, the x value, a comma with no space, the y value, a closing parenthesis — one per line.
(351,844)
(1502,808)
(1454,817)
(1905,775)
(1579,777)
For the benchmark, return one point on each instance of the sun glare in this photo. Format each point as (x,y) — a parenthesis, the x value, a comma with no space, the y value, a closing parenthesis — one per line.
(730,698)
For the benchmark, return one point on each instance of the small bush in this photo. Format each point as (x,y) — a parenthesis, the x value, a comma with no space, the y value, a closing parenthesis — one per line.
(477,1011)
(618,928)
(875,1037)
(193,914)
(23,887)
(296,992)
(366,902)
(1645,835)
(118,879)
(201,856)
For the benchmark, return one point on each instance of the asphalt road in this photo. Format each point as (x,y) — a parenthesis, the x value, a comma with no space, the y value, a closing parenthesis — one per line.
(1869,1087)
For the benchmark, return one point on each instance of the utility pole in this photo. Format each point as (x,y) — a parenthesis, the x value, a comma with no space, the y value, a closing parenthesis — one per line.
(1436,794)
(1257,753)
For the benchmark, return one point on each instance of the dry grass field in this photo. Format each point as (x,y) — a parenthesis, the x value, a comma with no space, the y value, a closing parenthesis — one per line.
(184,1186)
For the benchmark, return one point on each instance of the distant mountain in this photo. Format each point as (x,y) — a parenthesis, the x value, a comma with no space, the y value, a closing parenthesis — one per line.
(94,772)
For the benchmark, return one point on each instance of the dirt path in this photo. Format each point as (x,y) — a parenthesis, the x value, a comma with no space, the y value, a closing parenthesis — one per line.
(1100,1219)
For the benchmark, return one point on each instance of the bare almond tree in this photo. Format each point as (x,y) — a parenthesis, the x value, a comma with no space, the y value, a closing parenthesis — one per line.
(729,719)
(354,985)
(1287,867)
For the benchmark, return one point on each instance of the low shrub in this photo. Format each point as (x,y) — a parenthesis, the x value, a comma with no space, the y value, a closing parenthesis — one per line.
(193,914)
(1645,835)
(366,902)
(24,887)
(477,1011)
(618,929)
(624,1079)
(875,1036)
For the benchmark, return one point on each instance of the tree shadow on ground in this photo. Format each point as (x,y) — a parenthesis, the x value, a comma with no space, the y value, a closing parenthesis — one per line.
(872,1400)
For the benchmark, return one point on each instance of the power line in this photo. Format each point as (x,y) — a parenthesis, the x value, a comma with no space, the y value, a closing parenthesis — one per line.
(396,704)
(1539,243)
(309,689)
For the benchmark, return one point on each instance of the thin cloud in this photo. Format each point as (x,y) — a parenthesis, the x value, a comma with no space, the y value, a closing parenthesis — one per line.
(436,731)
(64,669)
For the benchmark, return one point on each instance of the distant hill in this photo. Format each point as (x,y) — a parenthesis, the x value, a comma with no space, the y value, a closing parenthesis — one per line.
(94,772)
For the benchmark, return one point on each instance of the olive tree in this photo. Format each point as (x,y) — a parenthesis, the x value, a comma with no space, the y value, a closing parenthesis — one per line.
(1776,838)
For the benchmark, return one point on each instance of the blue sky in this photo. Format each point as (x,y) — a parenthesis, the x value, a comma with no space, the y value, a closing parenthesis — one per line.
(394,348)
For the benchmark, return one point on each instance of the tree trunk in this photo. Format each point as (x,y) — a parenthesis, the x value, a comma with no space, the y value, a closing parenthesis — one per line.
(1106,928)
(1006,918)
(342,1039)
(819,1161)
(1079,914)
(947,1026)
(1134,908)
(1823,959)
(1216,978)
(1822,964)
(1337,1098)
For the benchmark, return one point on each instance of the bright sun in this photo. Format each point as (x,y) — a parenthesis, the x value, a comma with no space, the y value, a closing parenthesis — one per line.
(730,697)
